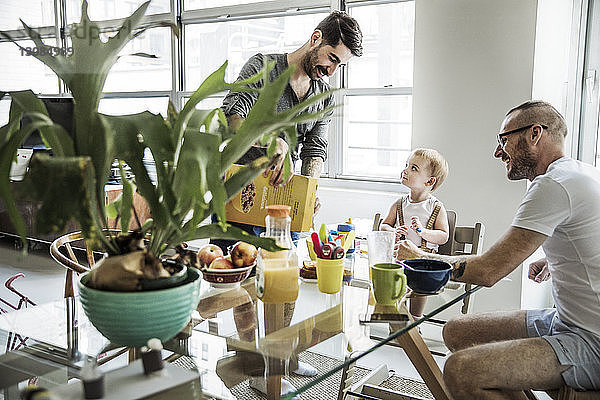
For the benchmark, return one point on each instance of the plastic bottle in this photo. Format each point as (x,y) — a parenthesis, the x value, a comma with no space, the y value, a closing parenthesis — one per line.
(277,272)
(344,229)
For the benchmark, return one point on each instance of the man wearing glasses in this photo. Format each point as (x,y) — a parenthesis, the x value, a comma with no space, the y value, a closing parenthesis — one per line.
(498,355)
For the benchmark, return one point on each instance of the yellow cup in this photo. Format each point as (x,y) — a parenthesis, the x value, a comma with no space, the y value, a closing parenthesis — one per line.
(329,275)
(311,249)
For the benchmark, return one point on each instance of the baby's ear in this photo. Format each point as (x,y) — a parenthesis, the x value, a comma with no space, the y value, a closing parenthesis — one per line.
(432,180)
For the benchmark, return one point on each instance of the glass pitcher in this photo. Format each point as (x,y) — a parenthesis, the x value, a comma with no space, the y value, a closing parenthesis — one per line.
(277,272)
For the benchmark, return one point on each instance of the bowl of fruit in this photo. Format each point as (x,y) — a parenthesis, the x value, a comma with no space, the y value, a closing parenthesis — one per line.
(227,270)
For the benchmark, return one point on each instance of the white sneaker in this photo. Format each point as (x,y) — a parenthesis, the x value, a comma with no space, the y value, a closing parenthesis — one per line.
(305,369)
(261,385)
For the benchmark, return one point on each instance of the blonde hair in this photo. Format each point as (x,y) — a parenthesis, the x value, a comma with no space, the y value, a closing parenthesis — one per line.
(438,165)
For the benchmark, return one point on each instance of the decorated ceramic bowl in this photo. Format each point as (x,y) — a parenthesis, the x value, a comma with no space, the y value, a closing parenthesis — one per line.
(222,277)
(426,276)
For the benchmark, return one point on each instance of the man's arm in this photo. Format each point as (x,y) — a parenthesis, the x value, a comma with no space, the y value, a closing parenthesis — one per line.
(312,167)
(501,259)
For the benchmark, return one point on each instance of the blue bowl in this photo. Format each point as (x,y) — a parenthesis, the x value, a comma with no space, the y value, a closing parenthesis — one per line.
(426,276)
(131,318)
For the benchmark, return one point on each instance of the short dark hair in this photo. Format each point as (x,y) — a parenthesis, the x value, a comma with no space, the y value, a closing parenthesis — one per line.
(540,112)
(339,26)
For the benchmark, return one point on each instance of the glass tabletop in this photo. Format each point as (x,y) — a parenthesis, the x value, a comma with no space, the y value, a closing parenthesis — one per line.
(233,337)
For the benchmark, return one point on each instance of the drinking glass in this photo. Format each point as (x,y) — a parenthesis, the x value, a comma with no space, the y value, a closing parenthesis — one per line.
(381,247)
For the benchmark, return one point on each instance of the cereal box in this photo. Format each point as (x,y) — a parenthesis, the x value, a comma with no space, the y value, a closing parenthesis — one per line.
(249,206)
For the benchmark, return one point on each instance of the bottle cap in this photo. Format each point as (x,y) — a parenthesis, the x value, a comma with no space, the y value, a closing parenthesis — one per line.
(155,344)
(345,227)
(278,211)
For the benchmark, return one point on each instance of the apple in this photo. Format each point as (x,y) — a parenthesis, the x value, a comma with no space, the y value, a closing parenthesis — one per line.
(208,253)
(221,263)
(243,254)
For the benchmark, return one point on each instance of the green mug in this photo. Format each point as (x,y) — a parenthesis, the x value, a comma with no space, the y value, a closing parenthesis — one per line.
(389,282)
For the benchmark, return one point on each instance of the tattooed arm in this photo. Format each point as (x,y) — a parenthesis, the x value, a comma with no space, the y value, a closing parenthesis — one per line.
(488,268)
(312,166)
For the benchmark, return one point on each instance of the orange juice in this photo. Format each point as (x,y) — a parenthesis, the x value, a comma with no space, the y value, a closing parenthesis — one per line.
(277,277)
(281,285)
(277,272)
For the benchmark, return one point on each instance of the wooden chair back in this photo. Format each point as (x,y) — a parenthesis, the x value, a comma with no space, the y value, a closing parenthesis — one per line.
(70,261)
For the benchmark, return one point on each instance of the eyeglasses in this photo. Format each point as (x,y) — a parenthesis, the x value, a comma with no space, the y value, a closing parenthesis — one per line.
(502,142)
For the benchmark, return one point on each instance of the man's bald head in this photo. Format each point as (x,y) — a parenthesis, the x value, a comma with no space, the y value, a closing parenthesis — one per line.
(540,112)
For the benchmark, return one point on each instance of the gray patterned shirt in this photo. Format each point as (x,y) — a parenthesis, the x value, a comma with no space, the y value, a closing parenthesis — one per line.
(312,136)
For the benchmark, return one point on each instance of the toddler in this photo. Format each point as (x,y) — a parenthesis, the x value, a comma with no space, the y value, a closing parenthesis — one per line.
(418,216)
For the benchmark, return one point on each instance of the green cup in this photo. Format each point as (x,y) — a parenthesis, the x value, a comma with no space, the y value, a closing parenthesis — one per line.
(389,282)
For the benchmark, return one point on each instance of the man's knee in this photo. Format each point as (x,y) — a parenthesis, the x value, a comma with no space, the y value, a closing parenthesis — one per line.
(454,334)
(457,376)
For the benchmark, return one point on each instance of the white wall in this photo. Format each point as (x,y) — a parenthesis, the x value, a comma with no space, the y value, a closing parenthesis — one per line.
(473,61)
(550,79)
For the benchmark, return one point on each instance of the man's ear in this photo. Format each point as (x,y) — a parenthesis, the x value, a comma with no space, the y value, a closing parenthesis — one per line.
(536,134)
(316,37)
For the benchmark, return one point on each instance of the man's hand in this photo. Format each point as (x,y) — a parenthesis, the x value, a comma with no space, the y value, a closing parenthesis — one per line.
(405,249)
(317,205)
(279,160)
(538,271)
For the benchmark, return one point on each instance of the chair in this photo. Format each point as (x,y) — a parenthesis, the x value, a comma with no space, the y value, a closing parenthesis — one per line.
(71,263)
(463,240)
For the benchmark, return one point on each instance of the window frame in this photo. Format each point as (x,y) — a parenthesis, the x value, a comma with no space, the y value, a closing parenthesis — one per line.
(332,175)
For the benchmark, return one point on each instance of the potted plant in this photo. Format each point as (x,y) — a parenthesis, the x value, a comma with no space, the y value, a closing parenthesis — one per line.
(192,150)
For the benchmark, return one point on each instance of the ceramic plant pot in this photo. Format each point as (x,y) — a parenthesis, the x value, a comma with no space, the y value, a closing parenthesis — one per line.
(131,318)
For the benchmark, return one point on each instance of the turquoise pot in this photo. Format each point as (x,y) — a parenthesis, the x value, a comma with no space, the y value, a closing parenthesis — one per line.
(131,318)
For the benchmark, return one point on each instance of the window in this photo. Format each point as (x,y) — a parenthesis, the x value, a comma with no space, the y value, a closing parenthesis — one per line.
(118,106)
(135,73)
(377,111)
(25,71)
(99,10)
(378,133)
(237,41)
(35,13)
(374,125)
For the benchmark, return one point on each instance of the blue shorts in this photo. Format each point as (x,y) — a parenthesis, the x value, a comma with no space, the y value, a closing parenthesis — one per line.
(573,346)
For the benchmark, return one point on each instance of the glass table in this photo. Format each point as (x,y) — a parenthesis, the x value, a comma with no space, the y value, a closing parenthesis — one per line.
(232,337)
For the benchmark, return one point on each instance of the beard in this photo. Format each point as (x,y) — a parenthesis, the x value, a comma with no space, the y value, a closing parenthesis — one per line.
(309,64)
(522,164)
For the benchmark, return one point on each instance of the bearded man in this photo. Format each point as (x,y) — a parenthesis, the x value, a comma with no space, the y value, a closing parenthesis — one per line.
(333,42)
(499,355)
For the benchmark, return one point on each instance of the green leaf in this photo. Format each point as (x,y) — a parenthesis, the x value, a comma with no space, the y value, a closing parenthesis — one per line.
(111,208)
(126,199)
(215,231)
(132,133)
(54,135)
(8,151)
(72,175)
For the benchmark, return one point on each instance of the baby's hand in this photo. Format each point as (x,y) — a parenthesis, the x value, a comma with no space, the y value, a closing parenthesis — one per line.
(401,230)
(415,224)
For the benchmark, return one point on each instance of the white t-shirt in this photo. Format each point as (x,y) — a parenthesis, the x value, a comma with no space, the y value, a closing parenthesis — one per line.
(564,204)
(423,210)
